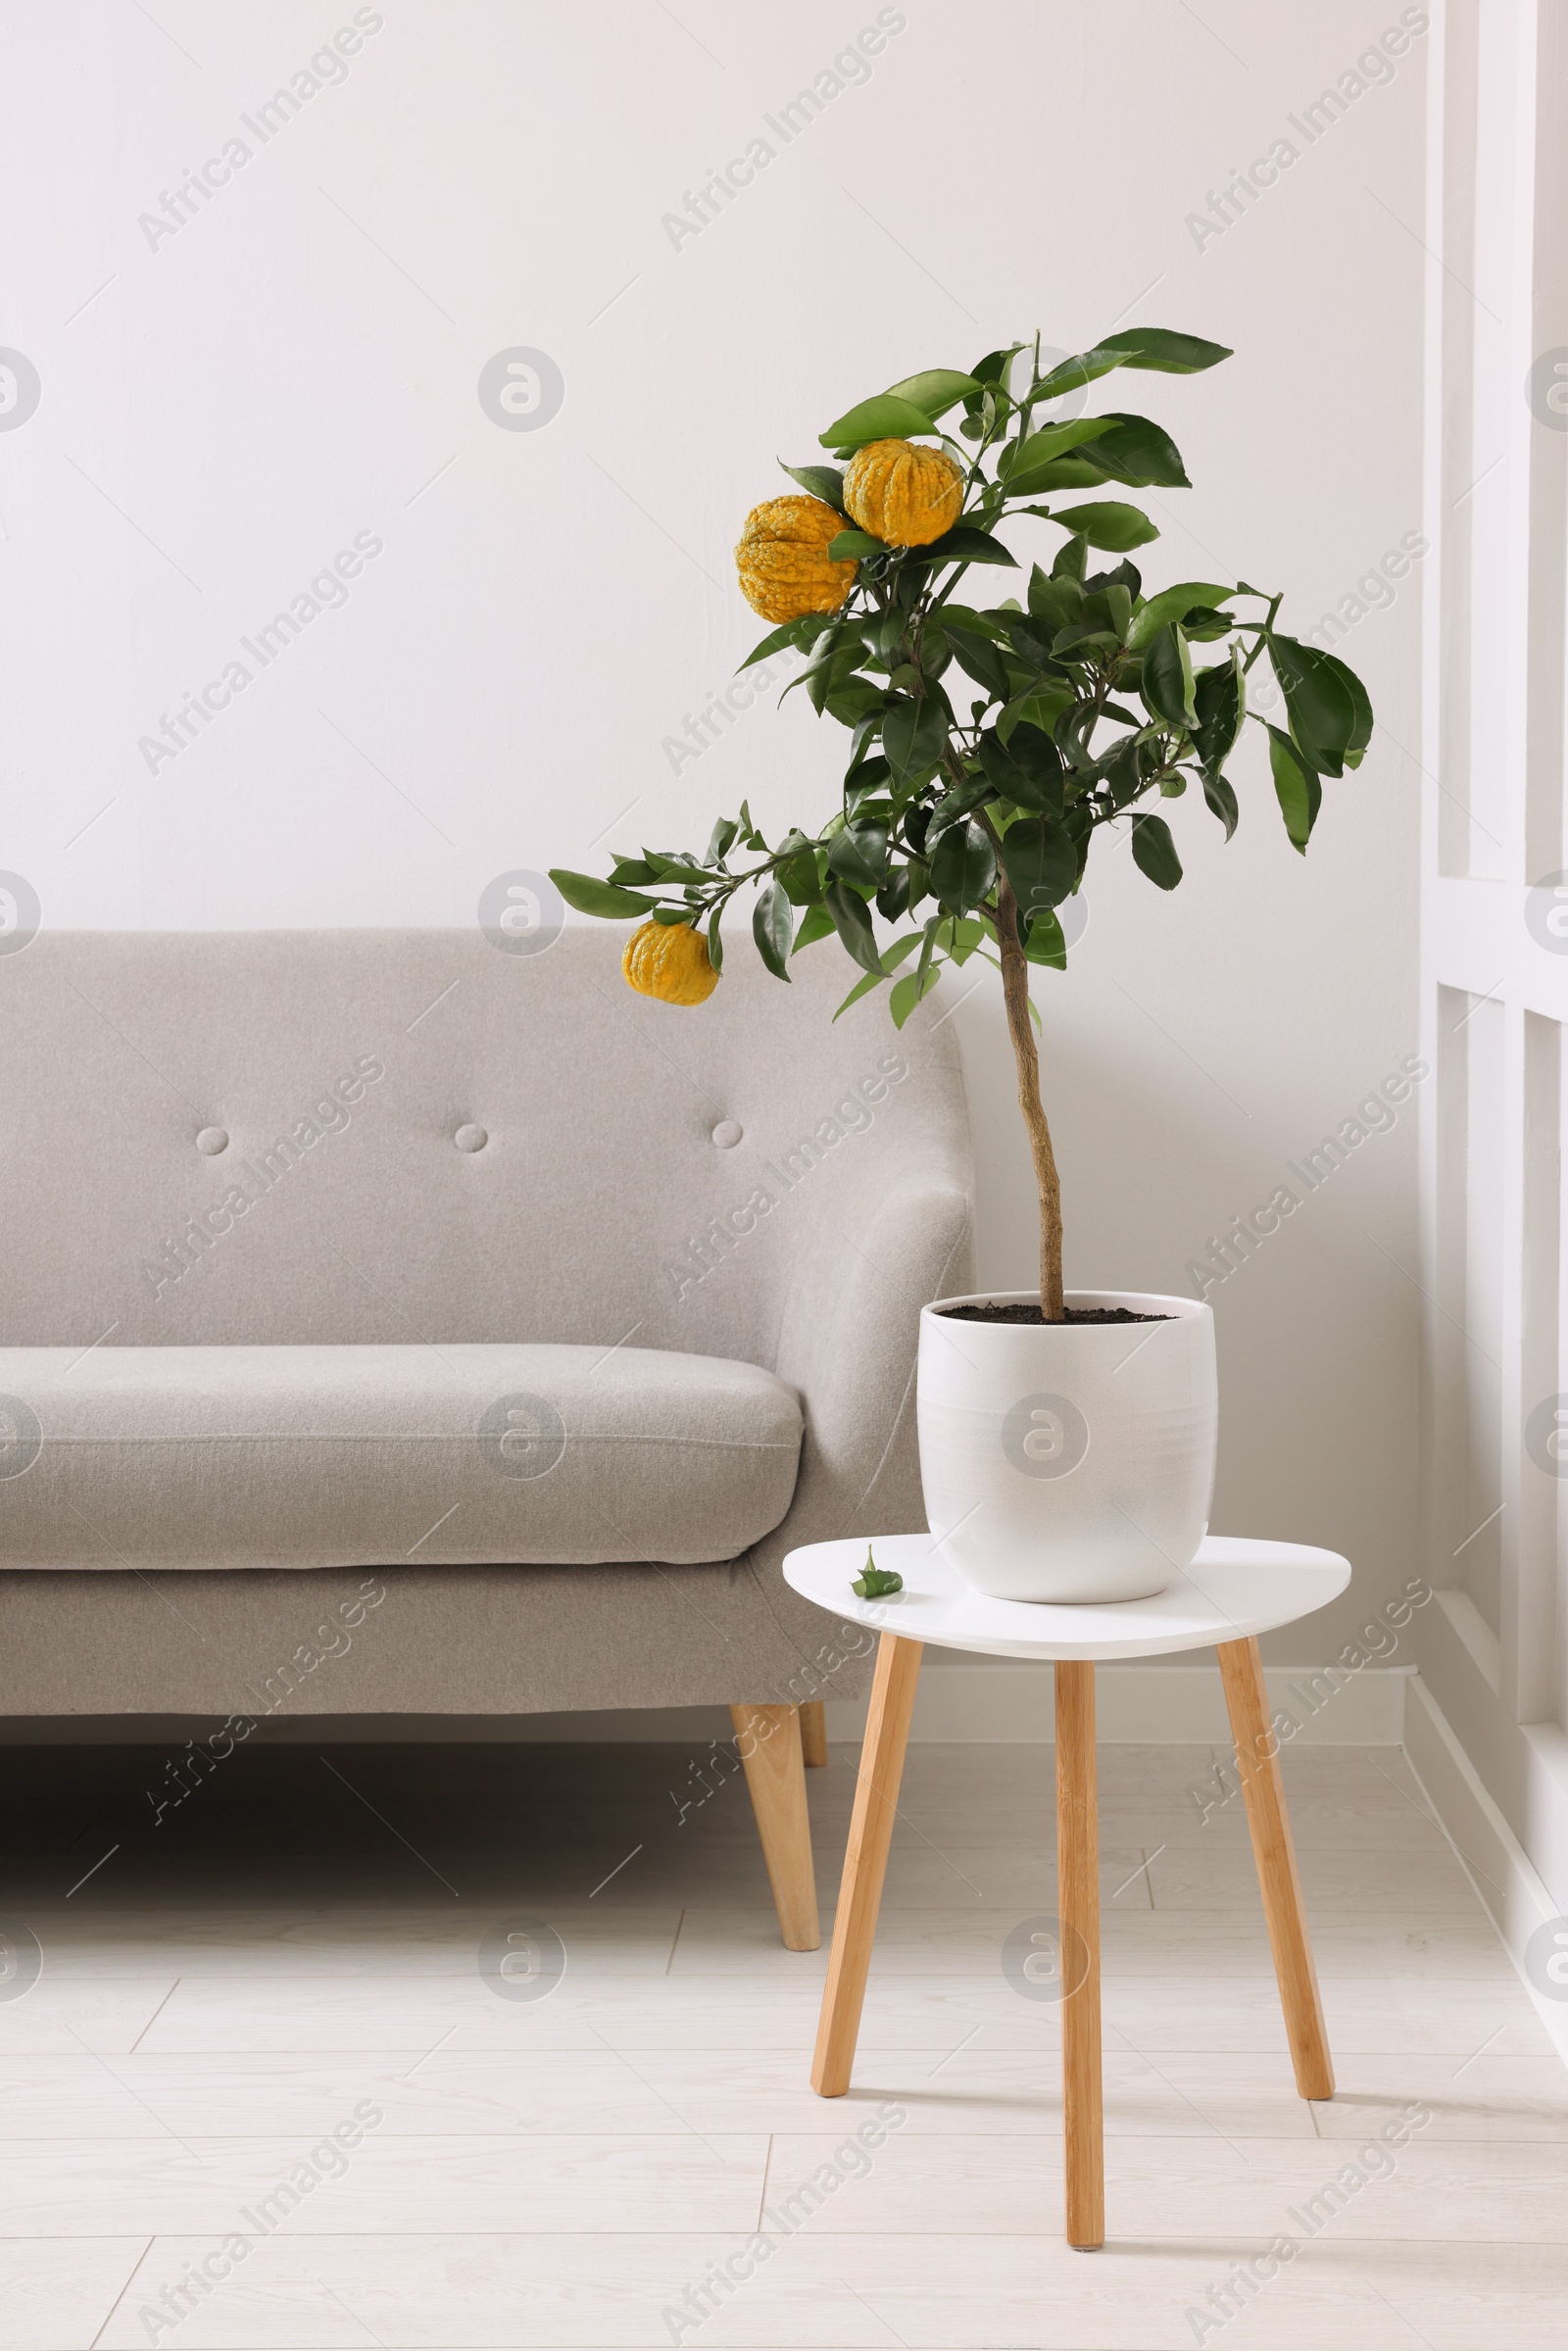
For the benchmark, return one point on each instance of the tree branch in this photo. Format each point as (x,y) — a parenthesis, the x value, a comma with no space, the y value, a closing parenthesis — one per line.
(1020,1029)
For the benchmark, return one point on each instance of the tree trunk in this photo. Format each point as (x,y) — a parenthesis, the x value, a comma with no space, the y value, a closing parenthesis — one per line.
(1016,994)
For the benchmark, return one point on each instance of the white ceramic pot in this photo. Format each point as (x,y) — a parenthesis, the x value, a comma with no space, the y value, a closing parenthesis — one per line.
(1069,1461)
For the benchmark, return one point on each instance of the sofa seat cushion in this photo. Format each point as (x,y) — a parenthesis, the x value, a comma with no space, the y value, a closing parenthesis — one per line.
(365,1456)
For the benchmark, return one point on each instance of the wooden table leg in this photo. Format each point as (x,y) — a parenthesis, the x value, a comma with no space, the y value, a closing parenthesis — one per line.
(1259,1760)
(865,1861)
(1078,1901)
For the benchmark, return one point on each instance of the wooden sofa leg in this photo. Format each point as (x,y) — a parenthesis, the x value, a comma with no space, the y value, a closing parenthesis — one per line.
(769,1741)
(814,1733)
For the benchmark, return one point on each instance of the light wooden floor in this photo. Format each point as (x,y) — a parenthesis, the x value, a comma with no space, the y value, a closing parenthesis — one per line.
(224,1990)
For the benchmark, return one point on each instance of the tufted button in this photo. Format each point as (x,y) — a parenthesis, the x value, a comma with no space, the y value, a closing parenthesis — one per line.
(726,1133)
(471,1139)
(211,1141)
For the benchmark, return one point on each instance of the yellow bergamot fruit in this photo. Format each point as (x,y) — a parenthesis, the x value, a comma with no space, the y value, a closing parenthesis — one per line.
(783,562)
(903,494)
(669,961)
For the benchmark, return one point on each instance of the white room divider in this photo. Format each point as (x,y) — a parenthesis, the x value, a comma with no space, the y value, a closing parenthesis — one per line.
(1494,926)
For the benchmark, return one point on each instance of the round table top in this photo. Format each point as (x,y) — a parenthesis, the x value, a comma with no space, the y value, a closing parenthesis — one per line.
(1235,1587)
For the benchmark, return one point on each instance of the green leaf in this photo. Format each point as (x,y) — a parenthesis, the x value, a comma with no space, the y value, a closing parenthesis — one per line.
(1173,603)
(590,896)
(1205,627)
(901,951)
(1001,771)
(1168,682)
(1132,347)
(1041,451)
(1361,707)
(913,736)
(1072,736)
(1078,472)
(1221,798)
(862,987)
(853,703)
(1138,451)
(961,801)
(1219,698)
(817,924)
(719,841)
(832,669)
(1045,941)
(856,544)
(1028,771)
(799,874)
(800,633)
(1121,771)
(1297,789)
(1030,640)
(1040,861)
(851,919)
(908,992)
(1110,524)
(875,1583)
(860,854)
(866,729)
(1058,601)
(927,950)
(964,615)
(964,865)
(963,544)
(822,481)
(773,928)
(671,869)
(978,657)
(1155,851)
(969,935)
(1324,717)
(886,417)
(716,945)
(1072,375)
(1159,348)
(992,368)
(1034,748)
(934,391)
(1042,708)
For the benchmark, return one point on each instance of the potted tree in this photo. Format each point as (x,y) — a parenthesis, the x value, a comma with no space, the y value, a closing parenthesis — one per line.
(1063,1455)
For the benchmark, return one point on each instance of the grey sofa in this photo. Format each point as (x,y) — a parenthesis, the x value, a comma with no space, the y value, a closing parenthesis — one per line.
(390,1276)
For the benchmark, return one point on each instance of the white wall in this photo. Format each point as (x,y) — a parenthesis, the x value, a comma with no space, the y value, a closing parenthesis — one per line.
(225,408)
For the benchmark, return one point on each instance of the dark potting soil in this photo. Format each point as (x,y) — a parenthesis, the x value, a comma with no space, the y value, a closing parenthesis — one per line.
(1031,1315)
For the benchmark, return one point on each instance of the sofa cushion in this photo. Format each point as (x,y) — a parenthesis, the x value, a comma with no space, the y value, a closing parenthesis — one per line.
(365,1456)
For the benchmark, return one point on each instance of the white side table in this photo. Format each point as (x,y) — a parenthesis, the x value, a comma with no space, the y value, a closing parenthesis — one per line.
(1233,1591)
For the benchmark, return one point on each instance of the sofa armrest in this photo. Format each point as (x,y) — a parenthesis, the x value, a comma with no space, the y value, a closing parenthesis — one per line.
(849,1345)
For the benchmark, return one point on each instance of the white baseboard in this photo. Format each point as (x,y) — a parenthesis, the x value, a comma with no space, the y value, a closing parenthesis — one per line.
(1505,1878)
(989,1703)
(960,1703)
(1141,1705)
